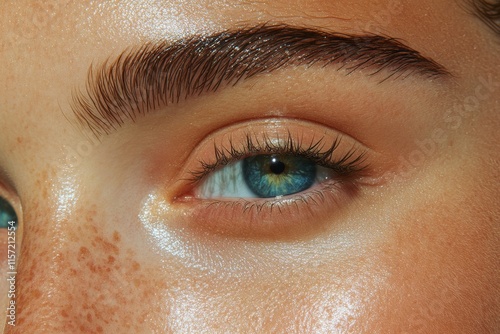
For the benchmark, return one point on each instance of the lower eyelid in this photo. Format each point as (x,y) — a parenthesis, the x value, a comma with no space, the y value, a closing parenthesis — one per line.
(263,131)
(291,216)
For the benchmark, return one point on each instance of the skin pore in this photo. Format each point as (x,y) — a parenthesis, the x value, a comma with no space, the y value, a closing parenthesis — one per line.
(113,238)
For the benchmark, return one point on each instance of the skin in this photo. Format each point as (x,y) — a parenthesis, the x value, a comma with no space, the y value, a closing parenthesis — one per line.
(102,247)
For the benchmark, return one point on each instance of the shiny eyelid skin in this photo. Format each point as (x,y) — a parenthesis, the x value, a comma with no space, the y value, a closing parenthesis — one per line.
(315,150)
(281,136)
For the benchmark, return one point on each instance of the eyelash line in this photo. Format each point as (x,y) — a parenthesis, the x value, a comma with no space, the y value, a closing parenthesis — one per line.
(315,197)
(314,151)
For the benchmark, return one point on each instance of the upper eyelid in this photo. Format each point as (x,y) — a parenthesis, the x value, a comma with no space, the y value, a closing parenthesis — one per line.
(316,149)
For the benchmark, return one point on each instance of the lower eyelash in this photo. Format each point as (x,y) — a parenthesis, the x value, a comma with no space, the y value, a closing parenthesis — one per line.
(308,197)
(280,217)
(351,162)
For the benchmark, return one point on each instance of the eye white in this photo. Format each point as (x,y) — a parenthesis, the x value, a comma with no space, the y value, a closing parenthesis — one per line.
(229,182)
(226,182)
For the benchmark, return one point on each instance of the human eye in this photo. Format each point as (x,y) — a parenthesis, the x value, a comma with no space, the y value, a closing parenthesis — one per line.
(8,218)
(274,167)
(268,176)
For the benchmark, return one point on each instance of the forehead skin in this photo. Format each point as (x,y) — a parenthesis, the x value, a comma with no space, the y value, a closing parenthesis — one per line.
(87,264)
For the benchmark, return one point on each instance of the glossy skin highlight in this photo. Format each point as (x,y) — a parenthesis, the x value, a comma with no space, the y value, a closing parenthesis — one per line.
(106,246)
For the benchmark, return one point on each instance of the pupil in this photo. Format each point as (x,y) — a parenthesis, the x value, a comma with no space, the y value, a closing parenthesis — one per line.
(277,167)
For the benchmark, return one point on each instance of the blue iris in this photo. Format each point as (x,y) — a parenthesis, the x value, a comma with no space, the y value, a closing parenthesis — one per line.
(278,175)
(7,214)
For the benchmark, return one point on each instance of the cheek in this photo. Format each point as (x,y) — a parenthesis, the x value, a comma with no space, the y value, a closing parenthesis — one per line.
(76,276)
(443,266)
(436,270)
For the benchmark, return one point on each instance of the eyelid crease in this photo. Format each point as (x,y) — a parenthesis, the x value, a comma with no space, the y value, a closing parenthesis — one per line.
(159,74)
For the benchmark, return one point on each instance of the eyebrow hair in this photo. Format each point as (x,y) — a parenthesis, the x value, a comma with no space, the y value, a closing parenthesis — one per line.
(142,79)
(487,11)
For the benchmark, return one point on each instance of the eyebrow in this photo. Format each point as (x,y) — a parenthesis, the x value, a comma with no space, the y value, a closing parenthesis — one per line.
(488,12)
(155,75)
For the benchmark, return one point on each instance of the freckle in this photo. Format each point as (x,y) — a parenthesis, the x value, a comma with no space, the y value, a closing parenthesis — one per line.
(89,218)
(116,236)
(36,294)
(111,259)
(64,313)
(89,317)
(107,246)
(19,140)
(135,266)
(99,329)
(83,254)
(92,267)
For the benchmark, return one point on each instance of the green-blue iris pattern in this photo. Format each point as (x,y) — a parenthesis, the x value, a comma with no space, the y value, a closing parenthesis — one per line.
(278,175)
(7,213)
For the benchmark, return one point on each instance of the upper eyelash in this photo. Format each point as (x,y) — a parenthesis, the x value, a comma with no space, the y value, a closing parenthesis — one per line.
(314,151)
